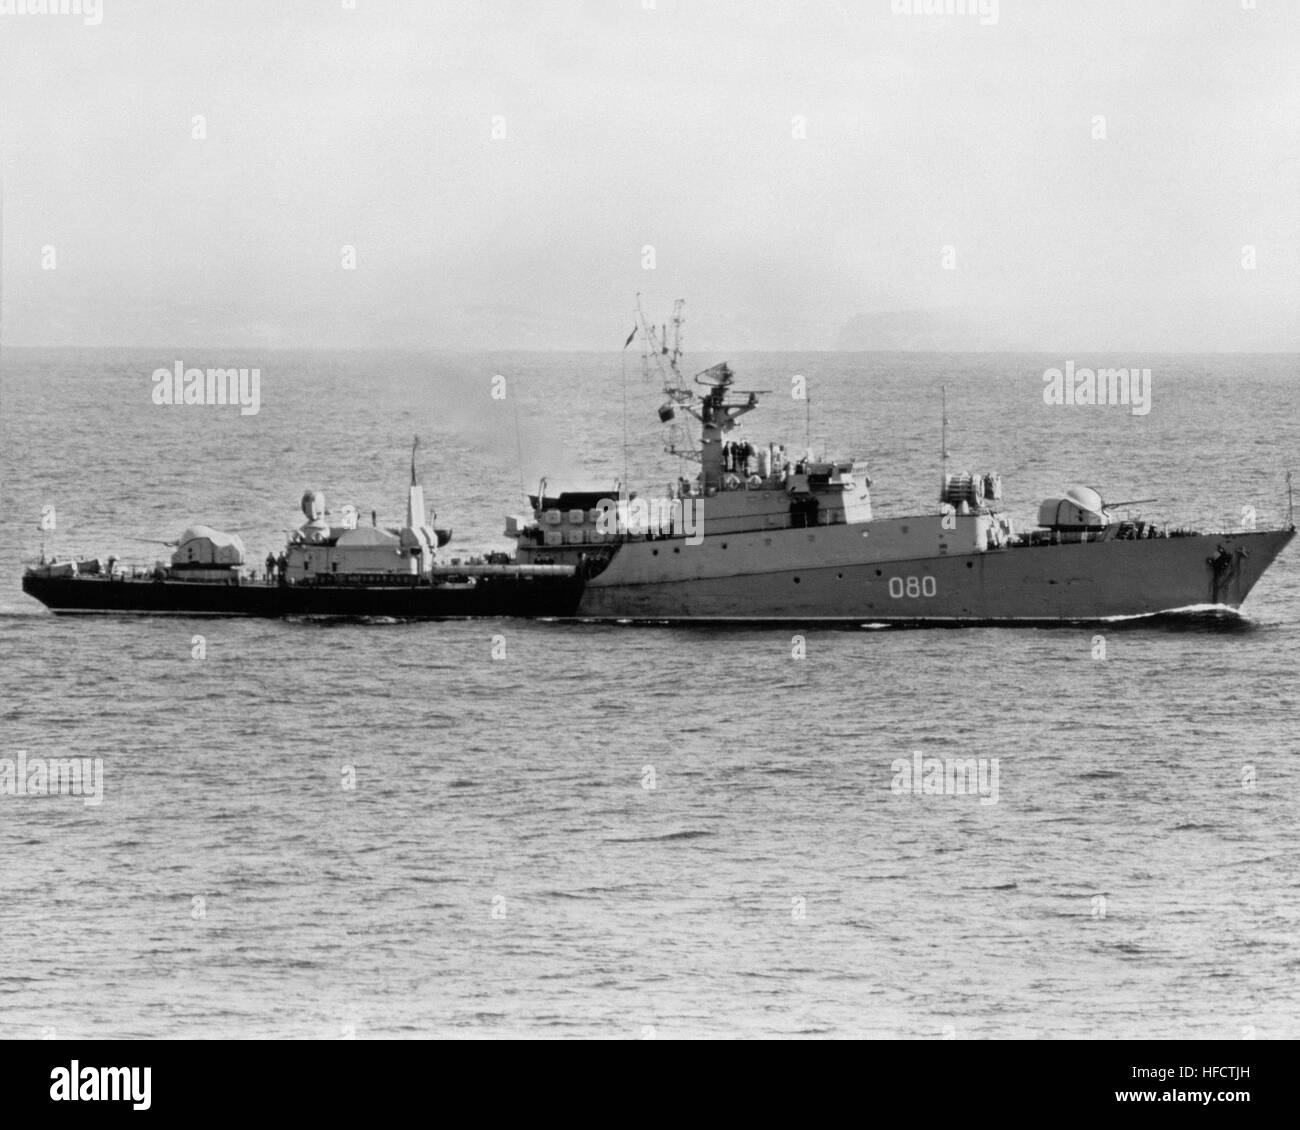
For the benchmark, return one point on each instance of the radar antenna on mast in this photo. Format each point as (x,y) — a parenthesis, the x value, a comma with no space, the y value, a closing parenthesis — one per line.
(655,348)
(661,354)
(678,320)
(943,441)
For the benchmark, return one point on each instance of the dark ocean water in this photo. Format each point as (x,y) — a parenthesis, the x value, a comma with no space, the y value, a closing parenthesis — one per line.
(501,868)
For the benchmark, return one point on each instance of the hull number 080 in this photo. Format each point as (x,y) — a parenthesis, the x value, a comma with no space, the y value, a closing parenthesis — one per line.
(900,587)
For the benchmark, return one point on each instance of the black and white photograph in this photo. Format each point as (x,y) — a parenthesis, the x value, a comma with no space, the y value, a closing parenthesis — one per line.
(584,520)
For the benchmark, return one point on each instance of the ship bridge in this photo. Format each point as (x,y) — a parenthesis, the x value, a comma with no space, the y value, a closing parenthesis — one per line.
(740,489)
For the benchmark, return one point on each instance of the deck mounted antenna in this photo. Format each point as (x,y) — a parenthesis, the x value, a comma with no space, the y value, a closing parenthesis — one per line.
(943,441)
(660,364)
(624,366)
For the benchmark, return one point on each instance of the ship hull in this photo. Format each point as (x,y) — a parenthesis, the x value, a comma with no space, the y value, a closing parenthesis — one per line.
(1019,585)
(551,597)
(806,580)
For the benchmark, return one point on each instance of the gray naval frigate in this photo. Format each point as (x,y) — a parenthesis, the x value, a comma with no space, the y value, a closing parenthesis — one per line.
(755,537)
(758,536)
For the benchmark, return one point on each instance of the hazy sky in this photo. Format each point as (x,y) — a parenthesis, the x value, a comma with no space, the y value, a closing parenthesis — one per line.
(672,126)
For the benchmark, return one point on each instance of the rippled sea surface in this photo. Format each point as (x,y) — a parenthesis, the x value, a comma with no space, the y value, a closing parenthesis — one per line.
(502,865)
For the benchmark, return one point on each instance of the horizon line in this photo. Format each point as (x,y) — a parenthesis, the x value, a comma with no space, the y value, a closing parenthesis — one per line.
(615,351)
